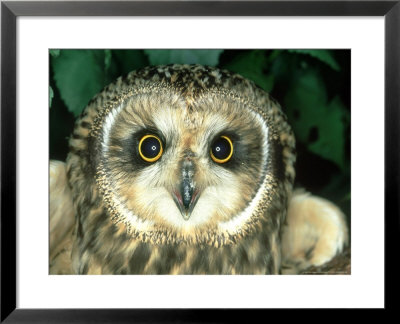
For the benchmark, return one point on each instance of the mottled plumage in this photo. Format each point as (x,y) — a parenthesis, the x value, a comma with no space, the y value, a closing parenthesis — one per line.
(131,216)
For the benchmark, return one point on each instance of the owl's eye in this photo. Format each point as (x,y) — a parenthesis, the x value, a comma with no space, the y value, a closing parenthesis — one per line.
(222,149)
(150,148)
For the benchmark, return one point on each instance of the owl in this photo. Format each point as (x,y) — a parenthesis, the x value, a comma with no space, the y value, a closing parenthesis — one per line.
(185,169)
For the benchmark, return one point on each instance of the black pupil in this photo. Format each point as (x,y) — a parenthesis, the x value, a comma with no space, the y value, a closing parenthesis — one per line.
(150,147)
(221,148)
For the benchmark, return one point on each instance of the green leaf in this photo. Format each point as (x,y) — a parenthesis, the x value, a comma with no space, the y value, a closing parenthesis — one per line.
(79,75)
(251,65)
(331,141)
(51,95)
(184,56)
(347,197)
(107,59)
(54,52)
(317,123)
(324,56)
(129,60)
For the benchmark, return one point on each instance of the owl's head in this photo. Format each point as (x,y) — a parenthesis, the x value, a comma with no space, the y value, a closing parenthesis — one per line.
(192,151)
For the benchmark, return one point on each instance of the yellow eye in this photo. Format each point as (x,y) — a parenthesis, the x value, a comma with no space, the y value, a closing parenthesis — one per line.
(150,148)
(221,149)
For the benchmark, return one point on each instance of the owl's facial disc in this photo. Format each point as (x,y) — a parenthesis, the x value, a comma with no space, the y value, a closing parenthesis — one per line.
(165,166)
(187,195)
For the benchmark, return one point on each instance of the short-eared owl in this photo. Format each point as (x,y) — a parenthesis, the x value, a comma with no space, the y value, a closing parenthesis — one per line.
(185,169)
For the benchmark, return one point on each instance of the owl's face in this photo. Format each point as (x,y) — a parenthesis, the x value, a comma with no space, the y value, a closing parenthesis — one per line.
(181,153)
(183,165)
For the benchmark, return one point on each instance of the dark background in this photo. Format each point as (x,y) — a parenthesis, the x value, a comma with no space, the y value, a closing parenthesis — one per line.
(313,87)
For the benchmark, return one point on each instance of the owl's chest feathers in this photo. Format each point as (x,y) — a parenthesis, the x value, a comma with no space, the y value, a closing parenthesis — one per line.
(103,248)
(257,254)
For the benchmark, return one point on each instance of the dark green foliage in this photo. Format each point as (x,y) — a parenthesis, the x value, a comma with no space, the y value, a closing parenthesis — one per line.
(252,65)
(313,87)
(80,74)
(317,122)
(325,56)
(54,52)
(200,56)
(51,95)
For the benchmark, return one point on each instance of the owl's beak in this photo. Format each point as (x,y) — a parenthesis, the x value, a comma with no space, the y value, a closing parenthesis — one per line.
(187,196)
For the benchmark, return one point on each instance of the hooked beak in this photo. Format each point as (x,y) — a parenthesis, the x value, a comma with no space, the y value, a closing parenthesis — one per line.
(187,195)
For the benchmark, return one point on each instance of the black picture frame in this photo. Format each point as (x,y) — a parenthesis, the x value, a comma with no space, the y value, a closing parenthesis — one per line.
(10,10)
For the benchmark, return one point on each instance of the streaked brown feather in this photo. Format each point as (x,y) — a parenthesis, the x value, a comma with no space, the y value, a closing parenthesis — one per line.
(62,220)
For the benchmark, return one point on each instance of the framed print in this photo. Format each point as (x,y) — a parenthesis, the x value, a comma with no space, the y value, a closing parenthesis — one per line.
(192,231)
(339,56)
